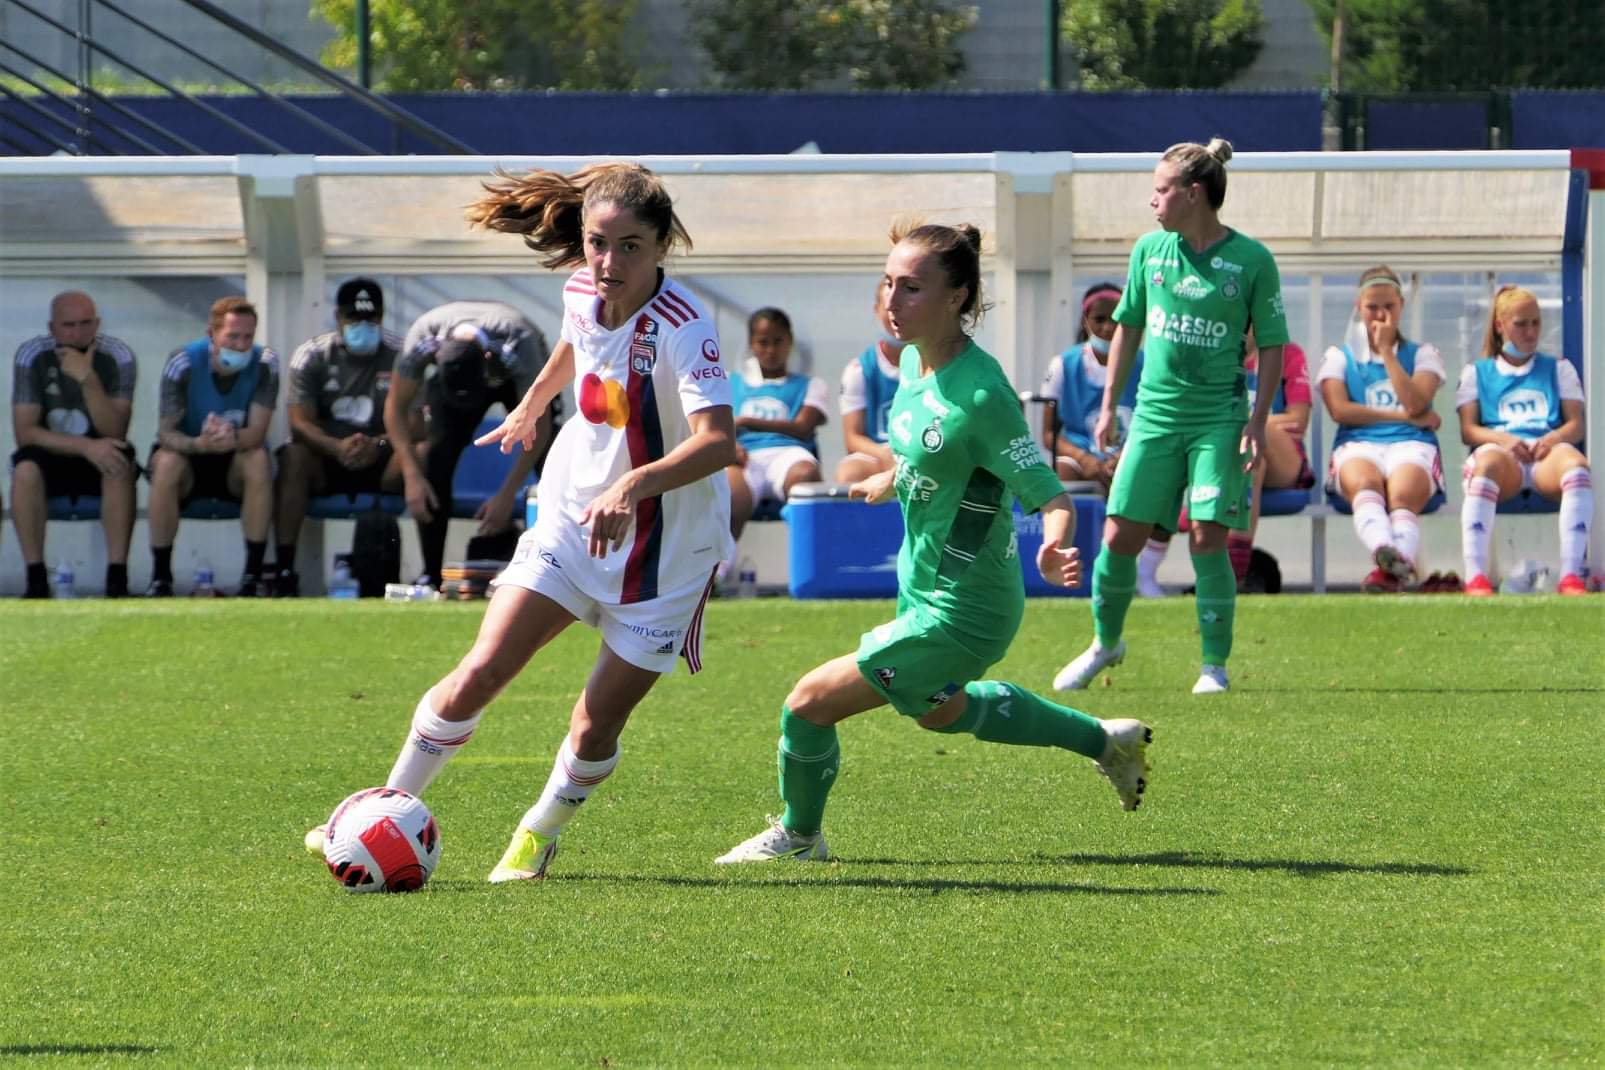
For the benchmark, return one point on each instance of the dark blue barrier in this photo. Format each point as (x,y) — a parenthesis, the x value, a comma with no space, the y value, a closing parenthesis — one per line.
(1557,120)
(1426,124)
(561,124)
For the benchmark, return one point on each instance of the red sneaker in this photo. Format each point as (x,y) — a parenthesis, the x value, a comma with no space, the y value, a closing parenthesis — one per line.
(1479,587)
(1571,583)
(1379,581)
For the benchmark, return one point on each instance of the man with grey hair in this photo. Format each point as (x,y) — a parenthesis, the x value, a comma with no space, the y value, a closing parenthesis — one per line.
(72,394)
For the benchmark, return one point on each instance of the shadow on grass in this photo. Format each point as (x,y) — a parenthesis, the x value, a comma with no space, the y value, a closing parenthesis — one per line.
(829,879)
(1300,867)
(77,1049)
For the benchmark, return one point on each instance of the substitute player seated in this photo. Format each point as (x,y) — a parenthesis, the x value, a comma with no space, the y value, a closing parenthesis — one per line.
(1378,387)
(777,412)
(1521,415)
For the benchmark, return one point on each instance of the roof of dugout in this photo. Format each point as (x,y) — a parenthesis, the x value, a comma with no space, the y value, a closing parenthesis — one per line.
(143,215)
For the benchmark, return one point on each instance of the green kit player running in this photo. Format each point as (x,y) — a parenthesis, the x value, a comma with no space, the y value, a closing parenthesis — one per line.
(964,453)
(1195,287)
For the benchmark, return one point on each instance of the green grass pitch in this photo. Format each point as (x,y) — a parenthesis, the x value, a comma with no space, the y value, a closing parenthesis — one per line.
(1384,847)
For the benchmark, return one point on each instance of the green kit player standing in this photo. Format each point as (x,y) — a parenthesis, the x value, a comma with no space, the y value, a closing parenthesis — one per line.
(1195,287)
(963,453)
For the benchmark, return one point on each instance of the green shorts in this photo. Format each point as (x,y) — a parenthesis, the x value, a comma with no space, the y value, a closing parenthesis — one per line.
(916,665)
(1156,467)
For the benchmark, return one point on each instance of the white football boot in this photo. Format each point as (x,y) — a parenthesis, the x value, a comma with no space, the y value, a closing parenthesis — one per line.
(1088,664)
(1125,759)
(1211,680)
(775,842)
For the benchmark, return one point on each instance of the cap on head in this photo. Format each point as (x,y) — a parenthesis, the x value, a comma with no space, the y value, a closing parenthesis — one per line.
(360,299)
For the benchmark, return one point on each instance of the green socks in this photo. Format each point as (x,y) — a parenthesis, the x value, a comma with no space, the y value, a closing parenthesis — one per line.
(1007,713)
(1114,583)
(809,761)
(1216,603)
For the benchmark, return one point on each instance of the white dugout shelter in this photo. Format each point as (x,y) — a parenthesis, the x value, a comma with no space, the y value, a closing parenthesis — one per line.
(156,240)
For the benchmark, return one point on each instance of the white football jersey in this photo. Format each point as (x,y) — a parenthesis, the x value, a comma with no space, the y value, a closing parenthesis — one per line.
(633,389)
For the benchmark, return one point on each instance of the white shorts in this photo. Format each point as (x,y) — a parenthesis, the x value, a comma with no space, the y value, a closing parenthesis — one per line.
(1527,467)
(766,470)
(1388,457)
(648,635)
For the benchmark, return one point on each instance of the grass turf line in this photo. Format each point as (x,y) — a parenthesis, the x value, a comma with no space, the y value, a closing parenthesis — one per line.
(1383,846)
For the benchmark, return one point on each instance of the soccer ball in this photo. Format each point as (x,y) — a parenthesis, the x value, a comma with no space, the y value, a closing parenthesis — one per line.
(382,840)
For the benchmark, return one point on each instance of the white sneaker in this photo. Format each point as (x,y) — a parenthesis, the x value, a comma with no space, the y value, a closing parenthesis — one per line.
(775,842)
(1089,663)
(1125,759)
(1211,681)
(314,839)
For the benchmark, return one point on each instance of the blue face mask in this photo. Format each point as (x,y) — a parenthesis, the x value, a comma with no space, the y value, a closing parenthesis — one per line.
(233,360)
(361,338)
(1509,349)
(1099,346)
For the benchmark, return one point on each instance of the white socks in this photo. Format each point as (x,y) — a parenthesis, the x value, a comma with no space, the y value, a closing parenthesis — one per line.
(1477,524)
(1406,528)
(1576,513)
(431,741)
(1148,562)
(570,784)
(1371,521)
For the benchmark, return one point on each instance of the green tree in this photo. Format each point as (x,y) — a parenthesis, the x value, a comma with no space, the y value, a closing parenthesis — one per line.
(799,44)
(1415,46)
(1163,44)
(433,45)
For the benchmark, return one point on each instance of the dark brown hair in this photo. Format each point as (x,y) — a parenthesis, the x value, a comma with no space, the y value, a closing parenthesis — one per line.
(548,208)
(958,250)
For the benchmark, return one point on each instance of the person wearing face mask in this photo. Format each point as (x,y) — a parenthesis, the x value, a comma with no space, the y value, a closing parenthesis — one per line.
(1521,415)
(217,399)
(1075,383)
(339,381)
(483,352)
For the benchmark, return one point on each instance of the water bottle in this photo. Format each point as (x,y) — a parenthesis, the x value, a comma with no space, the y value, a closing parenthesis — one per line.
(746,579)
(204,587)
(341,584)
(64,580)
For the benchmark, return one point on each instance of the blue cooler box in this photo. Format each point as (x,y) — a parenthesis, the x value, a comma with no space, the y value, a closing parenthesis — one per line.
(845,549)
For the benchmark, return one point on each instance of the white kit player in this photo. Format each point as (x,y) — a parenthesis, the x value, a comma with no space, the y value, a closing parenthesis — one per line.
(634,507)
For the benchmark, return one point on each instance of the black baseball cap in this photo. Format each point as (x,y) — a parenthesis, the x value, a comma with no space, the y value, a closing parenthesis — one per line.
(360,299)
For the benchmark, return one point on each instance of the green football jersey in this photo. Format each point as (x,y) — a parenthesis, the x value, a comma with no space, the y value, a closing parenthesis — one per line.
(1194,309)
(964,453)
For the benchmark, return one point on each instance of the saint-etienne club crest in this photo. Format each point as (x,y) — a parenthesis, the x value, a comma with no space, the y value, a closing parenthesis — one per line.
(644,346)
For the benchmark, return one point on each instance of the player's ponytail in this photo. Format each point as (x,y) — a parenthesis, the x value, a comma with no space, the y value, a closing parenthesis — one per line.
(958,250)
(1507,299)
(548,208)
(1203,164)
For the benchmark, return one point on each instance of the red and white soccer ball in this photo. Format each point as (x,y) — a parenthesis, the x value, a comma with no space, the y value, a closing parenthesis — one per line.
(382,840)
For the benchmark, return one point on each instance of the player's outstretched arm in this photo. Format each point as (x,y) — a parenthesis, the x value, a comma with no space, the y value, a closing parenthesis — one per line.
(522,426)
